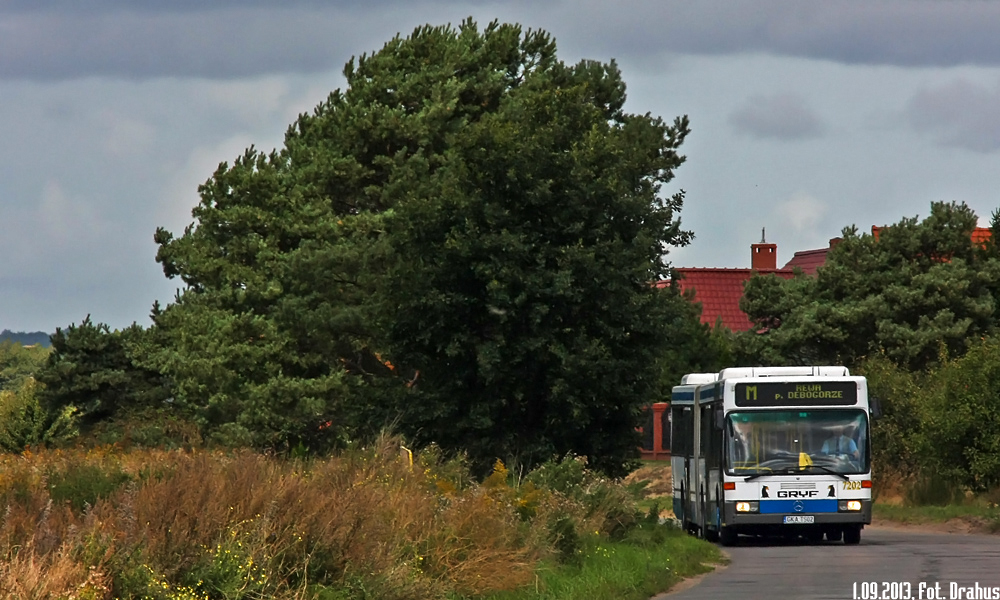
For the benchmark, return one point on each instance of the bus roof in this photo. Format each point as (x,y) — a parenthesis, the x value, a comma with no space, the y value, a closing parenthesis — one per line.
(747,372)
(695,378)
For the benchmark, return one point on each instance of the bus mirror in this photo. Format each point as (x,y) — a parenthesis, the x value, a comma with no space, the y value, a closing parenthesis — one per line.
(720,420)
(875,408)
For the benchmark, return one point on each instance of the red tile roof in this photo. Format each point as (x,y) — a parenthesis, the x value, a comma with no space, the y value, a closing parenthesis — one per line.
(979,235)
(719,292)
(808,260)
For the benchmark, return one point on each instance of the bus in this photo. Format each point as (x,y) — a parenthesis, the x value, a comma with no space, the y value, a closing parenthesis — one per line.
(772,451)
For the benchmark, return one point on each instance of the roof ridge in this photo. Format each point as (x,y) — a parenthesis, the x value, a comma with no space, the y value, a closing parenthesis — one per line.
(727,269)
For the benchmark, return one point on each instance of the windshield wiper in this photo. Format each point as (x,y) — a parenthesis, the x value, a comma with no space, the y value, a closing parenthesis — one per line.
(796,470)
(785,471)
(829,470)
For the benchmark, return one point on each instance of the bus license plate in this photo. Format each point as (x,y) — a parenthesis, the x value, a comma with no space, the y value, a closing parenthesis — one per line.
(800,519)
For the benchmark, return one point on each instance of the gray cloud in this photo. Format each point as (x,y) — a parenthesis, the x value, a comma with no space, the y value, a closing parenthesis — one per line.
(89,168)
(234,38)
(779,116)
(218,44)
(178,6)
(888,32)
(959,114)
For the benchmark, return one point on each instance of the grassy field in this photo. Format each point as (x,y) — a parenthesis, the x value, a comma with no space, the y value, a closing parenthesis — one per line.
(103,524)
(970,516)
(933,503)
(633,569)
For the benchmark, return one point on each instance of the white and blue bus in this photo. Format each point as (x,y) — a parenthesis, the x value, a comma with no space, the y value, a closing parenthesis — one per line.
(772,451)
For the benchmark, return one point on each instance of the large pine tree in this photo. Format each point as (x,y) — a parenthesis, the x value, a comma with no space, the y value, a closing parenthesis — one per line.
(461,244)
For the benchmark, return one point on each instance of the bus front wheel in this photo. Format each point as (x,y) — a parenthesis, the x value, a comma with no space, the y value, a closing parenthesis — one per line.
(727,536)
(852,534)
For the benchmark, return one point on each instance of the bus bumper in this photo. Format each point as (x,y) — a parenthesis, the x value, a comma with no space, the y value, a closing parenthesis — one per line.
(750,521)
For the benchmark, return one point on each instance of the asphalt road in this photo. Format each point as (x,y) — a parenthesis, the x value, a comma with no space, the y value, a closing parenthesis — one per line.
(888,564)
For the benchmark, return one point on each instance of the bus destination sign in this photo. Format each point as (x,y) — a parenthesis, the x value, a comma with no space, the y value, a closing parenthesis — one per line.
(820,393)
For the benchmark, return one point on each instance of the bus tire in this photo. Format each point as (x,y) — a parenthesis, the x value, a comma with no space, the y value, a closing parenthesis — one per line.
(727,536)
(852,534)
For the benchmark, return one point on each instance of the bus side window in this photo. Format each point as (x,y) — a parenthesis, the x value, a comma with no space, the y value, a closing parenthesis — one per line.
(711,436)
(682,438)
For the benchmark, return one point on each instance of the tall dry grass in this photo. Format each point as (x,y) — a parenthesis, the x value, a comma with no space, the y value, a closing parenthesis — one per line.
(173,525)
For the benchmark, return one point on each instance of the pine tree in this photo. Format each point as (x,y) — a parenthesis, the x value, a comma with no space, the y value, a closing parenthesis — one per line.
(462,243)
(919,292)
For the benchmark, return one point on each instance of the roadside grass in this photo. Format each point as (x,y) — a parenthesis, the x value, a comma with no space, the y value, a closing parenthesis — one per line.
(646,504)
(927,499)
(978,513)
(652,486)
(649,561)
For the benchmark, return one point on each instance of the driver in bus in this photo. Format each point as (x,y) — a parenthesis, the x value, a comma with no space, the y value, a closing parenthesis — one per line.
(841,443)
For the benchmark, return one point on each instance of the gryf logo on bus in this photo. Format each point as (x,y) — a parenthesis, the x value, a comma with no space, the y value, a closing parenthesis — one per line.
(798,493)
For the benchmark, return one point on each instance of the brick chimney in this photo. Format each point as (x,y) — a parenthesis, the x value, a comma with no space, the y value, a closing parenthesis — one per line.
(763,255)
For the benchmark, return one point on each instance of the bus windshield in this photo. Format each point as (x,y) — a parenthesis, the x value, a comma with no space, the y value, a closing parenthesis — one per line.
(797,441)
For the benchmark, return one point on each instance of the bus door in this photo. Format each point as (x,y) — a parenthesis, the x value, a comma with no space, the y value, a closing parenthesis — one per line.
(710,465)
(681,456)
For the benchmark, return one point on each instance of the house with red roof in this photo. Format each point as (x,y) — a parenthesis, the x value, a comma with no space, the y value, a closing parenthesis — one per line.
(980,235)
(810,260)
(719,290)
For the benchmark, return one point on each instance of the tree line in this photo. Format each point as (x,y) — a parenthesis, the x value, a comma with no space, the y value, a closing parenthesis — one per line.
(26,338)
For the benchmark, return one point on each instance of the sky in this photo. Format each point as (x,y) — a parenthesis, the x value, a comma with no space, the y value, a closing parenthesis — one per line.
(806,117)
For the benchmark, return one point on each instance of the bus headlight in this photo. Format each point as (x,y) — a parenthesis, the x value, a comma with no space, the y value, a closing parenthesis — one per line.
(849,505)
(747,507)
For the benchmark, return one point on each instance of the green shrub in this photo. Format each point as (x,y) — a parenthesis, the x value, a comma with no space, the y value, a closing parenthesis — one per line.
(230,570)
(148,427)
(24,422)
(944,422)
(960,437)
(566,540)
(894,435)
(648,532)
(83,485)
(605,501)
(19,363)
(930,489)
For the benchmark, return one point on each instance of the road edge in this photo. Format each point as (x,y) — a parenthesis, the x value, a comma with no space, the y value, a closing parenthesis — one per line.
(690,582)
